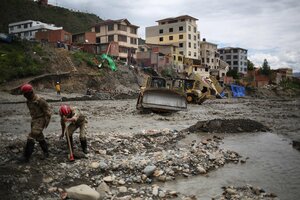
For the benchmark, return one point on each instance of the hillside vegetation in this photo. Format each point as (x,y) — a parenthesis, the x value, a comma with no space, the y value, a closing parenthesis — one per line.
(20,59)
(20,10)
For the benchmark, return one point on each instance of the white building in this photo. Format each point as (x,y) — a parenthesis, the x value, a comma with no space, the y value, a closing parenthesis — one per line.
(27,29)
(236,58)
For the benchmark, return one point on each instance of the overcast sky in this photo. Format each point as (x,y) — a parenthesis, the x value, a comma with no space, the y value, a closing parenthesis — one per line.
(267,28)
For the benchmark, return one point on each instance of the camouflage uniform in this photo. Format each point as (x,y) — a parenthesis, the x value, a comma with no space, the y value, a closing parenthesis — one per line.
(79,122)
(40,112)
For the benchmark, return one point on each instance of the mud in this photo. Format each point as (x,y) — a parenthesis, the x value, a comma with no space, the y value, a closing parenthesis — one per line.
(123,142)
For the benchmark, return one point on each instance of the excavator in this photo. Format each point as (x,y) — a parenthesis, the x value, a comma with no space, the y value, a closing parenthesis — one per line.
(198,89)
(158,96)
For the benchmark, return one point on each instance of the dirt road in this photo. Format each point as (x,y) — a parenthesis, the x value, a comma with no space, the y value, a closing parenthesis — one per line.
(124,142)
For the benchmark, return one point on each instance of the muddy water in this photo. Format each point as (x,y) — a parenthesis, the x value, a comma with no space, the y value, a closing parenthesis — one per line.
(273,164)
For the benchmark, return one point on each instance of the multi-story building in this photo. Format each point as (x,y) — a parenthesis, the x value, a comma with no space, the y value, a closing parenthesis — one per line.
(180,31)
(54,36)
(236,58)
(158,56)
(209,54)
(27,29)
(121,32)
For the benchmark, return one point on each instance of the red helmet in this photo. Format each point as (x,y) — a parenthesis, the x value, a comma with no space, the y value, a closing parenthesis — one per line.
(64,110)
(26,88)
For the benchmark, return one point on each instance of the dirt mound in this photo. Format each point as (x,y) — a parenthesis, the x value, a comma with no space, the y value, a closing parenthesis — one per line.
(228,126)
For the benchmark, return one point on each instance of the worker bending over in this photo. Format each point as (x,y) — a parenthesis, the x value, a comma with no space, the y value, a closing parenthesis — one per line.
(40,117)
(76,120)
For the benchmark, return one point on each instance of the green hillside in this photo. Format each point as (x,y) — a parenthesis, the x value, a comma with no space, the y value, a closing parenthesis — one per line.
(20,10)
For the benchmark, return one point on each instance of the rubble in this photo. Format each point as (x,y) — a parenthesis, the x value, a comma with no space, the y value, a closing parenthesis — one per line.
(228,126)
(246,192)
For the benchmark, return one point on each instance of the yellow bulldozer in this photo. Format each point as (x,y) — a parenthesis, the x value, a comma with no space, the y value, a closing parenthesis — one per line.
(158,96)
(198,89)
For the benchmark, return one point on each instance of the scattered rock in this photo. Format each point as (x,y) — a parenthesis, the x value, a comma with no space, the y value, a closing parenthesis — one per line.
(82,192)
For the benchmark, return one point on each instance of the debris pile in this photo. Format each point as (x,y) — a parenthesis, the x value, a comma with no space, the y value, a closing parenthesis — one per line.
(228,126)
(246,192)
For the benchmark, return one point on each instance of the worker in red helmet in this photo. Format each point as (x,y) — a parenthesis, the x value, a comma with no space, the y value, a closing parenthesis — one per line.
(40,113)
(76,120)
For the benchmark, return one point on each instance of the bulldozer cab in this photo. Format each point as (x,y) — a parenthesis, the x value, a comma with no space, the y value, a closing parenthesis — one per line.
(158,82)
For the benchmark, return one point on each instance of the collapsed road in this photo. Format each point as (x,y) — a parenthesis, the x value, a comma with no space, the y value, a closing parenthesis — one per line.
(133,154)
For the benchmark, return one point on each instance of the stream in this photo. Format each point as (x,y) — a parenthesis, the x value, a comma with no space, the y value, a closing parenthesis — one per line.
(273,165)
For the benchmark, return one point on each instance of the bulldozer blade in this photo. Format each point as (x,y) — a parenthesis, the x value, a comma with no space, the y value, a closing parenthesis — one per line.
(163,100)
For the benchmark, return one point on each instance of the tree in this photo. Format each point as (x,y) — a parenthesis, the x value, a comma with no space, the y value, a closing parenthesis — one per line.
(265,69)
(250,65)
(233,73)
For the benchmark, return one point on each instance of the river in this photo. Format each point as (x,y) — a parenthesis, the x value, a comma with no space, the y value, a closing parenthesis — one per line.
(273,164)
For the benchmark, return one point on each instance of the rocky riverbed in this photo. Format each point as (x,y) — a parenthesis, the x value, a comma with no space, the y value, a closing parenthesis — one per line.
(131,153)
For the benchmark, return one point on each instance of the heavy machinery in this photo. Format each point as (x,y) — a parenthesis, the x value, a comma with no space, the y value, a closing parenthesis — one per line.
(156,96)
(198,88)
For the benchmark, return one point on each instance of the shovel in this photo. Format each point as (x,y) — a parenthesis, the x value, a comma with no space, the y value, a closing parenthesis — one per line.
(71,157)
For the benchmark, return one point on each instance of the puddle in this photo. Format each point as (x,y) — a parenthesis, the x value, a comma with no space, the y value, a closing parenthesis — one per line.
(273,164)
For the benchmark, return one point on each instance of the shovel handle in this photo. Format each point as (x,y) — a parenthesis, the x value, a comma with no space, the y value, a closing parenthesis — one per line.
(71,157)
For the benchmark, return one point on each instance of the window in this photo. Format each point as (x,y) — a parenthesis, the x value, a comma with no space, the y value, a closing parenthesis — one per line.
(170,37)
(190,53)
(110,27)
(235,57)
(97,39)
(11,28)
(97,29)
(221,57)
(229,62)
(161,31)
(110,38)
(180,44)
(190,37)
(170,30)
(195,30)
(195,37)
(190,45)
(212,60)
(122,38)
(180,37)
(123,50)
(228,56)
(25,25)
(161,39)
(196,68)
(122,27)
(133,40)
(174,57)
(235,50)
(207,60)
(235,62)
(202,60)
(133,30)
(181,52)
(195,46)
(180,28)
(195,54)
(189,28)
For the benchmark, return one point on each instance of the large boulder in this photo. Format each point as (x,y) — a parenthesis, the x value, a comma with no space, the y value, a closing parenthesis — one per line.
(82,192)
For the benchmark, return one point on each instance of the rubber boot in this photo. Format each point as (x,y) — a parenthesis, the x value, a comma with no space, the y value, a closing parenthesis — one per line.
(44,147)
(28,150)
(84,145)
